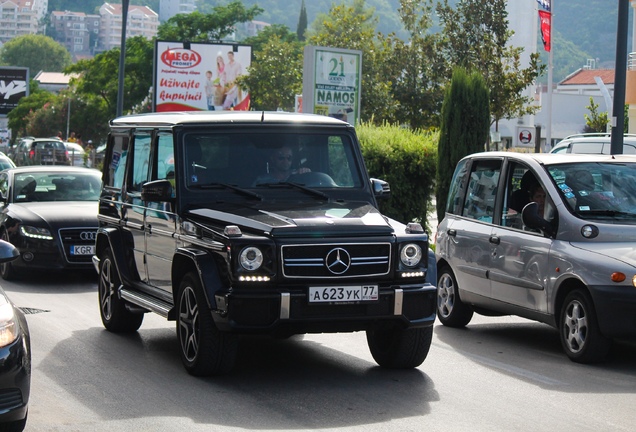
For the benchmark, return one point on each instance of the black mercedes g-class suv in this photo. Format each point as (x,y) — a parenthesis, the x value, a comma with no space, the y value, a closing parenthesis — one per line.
(236,223)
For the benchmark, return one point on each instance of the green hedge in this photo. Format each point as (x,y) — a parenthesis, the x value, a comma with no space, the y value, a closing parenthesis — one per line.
(407,160)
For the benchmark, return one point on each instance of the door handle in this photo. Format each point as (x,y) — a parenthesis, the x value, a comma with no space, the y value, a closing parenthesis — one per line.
(451,232)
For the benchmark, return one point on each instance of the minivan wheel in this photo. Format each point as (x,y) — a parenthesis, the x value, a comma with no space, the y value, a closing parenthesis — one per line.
(394,347)
(112,309)
(204,349)
(581,337)
(450,309)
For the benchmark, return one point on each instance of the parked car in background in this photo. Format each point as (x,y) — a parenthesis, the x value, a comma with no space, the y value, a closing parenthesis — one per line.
(566,259)
(41,151)
(50,214)
(5,162)
(593,143)
(15,357)
(77,155)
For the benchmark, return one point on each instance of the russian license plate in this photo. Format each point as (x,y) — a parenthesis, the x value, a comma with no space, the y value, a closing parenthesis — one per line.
(345,294)
(83,250)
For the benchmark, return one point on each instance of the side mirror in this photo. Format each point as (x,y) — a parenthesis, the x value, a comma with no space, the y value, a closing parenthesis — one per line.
(157,191)
(8,252)
(381,189)
(531,219)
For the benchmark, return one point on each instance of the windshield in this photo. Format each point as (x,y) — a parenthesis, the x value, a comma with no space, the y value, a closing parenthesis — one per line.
(57,186)
(597,190)
(262,159)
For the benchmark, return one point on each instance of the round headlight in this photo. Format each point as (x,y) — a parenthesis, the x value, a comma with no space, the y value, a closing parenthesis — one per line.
(251,258)
(411,255)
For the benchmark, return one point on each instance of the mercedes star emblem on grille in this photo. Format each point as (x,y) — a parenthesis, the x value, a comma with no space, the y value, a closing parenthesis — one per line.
(338,261)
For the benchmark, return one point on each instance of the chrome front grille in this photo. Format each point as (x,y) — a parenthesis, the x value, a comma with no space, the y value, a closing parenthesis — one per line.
(334,260)
(77,237)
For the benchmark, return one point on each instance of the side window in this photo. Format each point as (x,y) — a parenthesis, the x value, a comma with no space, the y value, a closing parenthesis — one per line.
(165,157)
(3,186)
(518,182)
(482,190)
(141,161)
(456,190)
(117,165)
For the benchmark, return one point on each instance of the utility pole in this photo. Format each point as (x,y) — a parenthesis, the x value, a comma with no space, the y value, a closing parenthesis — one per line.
(122,58)
(620,76)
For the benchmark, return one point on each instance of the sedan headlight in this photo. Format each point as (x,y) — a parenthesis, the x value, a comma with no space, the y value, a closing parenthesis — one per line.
(251,258)
(411,254)
(8,325)
(35,232)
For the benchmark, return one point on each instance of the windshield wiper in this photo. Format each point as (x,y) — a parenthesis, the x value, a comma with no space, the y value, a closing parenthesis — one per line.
(310,191)
(237,189)
(610,213)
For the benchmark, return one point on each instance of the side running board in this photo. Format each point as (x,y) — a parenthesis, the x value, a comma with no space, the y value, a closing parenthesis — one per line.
(145,301)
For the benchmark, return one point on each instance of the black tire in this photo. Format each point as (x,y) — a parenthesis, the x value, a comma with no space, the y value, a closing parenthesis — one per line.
(205,350)
(581,337)
(450,309)
(397,348)
(115,316)
(7,272)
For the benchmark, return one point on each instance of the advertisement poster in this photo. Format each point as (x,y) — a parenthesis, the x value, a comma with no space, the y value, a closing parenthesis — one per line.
(200,76)
(331,82)
(14,84)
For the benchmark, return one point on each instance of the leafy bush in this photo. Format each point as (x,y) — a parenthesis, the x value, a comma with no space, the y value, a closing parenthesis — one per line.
(407,160)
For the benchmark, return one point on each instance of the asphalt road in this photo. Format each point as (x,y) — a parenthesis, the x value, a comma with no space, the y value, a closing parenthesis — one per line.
(500,374)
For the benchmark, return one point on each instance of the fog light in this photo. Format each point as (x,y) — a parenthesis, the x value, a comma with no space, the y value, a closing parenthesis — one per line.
(27,256)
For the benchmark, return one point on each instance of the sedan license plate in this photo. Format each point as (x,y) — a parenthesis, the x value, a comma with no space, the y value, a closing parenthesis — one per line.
(345,294)
(82,250)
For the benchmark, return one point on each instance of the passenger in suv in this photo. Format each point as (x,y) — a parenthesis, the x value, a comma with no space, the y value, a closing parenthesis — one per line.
(571,266)
(187,232)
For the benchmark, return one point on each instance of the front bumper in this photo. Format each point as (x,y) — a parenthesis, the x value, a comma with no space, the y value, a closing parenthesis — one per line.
(289,311)
(616,310)
(15,381)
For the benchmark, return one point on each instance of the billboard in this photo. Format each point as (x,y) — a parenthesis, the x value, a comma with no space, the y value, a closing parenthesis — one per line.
(331,82)
(14,84)
(192,76)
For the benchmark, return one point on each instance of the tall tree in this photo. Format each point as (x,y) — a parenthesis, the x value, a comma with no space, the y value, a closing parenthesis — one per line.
(476,35)
(275,75)
(198,27)
(464,127)
(418,73)
(301,28)
(37,52)
(98,76)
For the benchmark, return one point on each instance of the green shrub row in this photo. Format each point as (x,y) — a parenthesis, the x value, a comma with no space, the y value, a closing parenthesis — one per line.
(407,160)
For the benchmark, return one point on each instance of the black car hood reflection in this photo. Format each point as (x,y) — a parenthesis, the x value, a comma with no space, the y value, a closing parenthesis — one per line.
(355,218)
(57,214)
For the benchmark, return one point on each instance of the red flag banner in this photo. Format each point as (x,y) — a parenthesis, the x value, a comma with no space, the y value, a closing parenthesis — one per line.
(546,26)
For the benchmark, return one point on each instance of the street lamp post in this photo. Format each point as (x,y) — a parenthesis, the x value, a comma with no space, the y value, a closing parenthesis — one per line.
(122,57)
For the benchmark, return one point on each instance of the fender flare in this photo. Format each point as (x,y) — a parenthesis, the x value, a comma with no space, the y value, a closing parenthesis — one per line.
(111,238)
(204,264)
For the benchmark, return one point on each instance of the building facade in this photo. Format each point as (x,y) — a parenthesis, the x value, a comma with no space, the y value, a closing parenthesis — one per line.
(77,31)
(141,21)
(170,8)
(21,17)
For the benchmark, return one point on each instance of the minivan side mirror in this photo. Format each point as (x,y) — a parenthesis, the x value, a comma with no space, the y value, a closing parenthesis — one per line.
(381,189)
(531,219)
(157,191)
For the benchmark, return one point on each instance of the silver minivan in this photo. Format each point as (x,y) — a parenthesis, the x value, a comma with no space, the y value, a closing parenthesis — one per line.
(547,237)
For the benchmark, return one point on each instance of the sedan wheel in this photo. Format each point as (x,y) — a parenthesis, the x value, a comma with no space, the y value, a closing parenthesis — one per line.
(581,337)
(450,309)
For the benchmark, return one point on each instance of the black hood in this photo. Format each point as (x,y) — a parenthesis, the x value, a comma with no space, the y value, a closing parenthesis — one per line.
(352,218)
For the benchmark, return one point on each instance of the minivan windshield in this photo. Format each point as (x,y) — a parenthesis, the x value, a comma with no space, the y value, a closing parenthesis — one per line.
(597,190)
(270,160)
